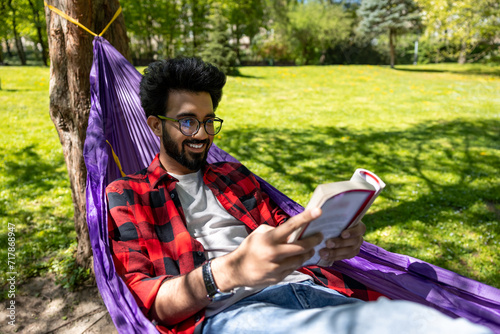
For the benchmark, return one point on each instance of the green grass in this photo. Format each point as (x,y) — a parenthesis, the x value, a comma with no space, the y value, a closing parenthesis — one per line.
(35,196)
(432,133)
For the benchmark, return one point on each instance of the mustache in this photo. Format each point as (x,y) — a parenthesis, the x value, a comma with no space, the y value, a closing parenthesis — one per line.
(196,141)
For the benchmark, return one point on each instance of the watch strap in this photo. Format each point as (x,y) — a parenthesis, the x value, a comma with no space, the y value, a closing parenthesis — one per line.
(209,281)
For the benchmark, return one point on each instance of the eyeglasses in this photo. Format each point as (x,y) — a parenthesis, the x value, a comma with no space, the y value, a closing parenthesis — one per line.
(189,126)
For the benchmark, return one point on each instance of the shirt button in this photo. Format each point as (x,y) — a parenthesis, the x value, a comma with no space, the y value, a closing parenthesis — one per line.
(172,195)
(200,253)
(198,318)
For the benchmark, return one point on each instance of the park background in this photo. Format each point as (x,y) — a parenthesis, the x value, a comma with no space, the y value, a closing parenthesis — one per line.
(310,97)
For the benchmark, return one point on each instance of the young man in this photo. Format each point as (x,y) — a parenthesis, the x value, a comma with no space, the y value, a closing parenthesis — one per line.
(203,248)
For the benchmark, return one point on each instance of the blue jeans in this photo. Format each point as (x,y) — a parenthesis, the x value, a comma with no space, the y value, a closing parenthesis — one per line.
(308,308)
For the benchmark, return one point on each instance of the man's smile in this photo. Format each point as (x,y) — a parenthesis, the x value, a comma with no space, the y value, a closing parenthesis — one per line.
(196,146)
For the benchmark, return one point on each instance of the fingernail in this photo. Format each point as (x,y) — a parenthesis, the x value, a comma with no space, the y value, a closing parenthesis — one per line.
(330,244)
(323,253)
(346,235)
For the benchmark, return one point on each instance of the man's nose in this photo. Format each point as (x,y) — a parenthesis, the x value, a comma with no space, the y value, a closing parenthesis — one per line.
(202,133)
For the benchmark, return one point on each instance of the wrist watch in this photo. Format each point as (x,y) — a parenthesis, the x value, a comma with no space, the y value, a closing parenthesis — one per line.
(213,292)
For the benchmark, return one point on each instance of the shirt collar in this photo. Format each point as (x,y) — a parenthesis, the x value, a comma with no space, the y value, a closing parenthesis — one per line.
(156,173)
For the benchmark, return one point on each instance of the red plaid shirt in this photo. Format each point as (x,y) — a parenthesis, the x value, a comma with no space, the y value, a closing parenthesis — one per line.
(150,241)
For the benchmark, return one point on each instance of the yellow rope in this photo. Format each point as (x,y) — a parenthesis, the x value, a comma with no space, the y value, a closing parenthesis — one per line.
(112,20)
(72,20)
(115,157)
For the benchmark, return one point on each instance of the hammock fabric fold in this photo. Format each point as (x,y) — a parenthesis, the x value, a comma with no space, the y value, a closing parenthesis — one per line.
(116,116)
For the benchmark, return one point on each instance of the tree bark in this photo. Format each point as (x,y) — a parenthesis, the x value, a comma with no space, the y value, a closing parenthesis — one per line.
(462,56)
(7,45)
(70,49)
(237,36)
(392,47)
(1,55)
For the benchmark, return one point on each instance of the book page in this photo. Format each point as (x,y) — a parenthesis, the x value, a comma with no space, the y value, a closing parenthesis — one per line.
(338,213)
(363,175)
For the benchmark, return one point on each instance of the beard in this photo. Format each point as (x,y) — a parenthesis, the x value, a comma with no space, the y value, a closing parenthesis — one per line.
(192,161)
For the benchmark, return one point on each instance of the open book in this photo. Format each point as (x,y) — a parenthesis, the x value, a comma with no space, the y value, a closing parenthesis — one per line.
(343,204)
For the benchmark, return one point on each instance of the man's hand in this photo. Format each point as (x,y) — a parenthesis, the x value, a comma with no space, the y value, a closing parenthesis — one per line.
(345,246)
(265,257)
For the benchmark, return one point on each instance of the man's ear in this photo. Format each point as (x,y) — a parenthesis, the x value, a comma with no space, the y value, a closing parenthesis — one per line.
(155,125)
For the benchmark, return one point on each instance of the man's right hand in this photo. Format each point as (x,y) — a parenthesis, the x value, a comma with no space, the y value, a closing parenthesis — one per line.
(262,259)
(265,257)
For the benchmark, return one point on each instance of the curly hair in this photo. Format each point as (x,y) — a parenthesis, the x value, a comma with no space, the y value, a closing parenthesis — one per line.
(178,74)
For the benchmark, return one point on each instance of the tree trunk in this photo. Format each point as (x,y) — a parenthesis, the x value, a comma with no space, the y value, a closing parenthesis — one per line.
(237,37)
(462,57)
(194,30)
(1,54)
(19,42)
(7,45)
(392,47)
(322,57)
(70,50)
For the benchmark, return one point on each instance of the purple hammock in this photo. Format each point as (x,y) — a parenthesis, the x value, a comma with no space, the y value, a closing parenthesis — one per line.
(116,117)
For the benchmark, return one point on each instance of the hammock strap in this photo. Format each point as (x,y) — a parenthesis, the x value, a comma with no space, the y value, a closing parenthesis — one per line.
(72,20)
(117,161)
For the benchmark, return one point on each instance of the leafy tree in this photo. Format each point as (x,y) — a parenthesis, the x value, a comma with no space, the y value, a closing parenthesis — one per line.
(304,31)
(23,20)
(14,21)
(3,27)
(170,24)
(217,50)
(315,27)
(245,18)
(194,23)
(278,9)
(394,17)
(457,29)
(141,23)
(166,28)
(274,44)
(39,23)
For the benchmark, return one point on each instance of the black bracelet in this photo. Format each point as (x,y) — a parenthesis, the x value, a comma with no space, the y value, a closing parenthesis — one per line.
(209,281)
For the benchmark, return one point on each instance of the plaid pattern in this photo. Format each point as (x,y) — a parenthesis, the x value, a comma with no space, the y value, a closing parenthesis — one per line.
(150,242)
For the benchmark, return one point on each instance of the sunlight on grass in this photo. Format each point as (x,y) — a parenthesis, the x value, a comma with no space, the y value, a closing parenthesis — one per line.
(34,188)
(431,132)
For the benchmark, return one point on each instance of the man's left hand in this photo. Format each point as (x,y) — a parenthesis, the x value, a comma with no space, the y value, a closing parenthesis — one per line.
(345,246)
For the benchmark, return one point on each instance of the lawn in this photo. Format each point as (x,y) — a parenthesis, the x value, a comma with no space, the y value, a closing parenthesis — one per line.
(432,133)
(35,197)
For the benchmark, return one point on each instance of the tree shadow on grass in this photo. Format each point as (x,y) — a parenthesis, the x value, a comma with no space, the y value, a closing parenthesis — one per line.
(423,151)
(31,181)
(15,90)
(238,74)
(490,71)
(428,70)
(445,167)
(30,169)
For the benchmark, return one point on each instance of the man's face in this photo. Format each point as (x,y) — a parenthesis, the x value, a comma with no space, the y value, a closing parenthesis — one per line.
(186,154)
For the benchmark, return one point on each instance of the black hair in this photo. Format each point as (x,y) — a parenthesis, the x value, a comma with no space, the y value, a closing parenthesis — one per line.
(178,74)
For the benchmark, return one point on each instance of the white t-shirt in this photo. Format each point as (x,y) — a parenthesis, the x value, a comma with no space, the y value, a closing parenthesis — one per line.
(217,230)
